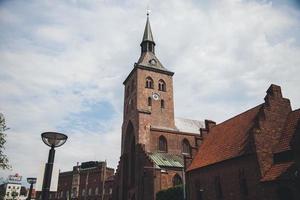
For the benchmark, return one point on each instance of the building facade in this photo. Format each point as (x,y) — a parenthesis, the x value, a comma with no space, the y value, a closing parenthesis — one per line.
(88,181)
(250,156)
(10,191)
(153,140)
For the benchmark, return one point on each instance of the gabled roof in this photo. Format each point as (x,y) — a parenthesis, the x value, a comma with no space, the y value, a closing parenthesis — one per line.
(226,140)
(166,160)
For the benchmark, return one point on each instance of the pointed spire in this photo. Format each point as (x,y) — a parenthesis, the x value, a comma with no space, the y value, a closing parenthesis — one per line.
(148,42)
(148,33)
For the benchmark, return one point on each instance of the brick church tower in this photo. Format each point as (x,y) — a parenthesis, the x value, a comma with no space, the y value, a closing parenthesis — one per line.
(153,140)
(148,98)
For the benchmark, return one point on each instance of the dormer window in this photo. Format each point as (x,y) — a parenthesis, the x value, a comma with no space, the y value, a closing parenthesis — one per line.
(149,82)
(161,85)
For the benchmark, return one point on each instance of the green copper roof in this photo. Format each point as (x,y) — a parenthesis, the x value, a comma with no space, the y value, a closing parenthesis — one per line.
(166,160)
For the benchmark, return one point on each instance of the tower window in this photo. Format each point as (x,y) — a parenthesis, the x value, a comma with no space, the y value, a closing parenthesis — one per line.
(162,103)
(149,82)
(149,101)
(186,147)
(162,144)
(161,85)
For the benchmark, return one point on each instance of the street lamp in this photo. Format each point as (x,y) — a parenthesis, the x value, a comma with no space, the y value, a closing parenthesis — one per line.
(184,155)
(51,139)
(31,181)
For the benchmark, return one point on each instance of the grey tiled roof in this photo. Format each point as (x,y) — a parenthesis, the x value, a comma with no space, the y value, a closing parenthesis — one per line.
(188,125)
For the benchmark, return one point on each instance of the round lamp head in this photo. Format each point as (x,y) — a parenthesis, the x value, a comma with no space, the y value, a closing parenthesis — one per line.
(31,180)
(53,139)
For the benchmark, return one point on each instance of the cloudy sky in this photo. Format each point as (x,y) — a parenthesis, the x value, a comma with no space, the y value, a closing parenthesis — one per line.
(62,64)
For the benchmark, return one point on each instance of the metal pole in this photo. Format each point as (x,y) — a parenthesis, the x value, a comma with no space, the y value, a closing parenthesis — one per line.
(183,178)
(30,191)
(48,175)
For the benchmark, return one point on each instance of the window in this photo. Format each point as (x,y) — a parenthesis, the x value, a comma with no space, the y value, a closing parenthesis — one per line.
(186,147)
(243,183)
(161,85)
(90,191)
(218,187)
(149,101)
(83,192)
(162,144)
(177,180)
(96,191)
(149,82)
(162,103)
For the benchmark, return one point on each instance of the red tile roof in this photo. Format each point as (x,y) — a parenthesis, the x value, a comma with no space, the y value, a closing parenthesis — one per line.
(288,131)
(276,171)
(226,140)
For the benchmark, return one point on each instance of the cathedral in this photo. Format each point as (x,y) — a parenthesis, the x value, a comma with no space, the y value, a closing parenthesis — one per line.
(155,144)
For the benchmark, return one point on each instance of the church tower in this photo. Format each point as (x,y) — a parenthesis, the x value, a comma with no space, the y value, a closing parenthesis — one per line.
(152,145)
(148,99)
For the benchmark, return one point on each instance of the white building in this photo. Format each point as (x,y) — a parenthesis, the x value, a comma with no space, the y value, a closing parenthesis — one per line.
(12,191)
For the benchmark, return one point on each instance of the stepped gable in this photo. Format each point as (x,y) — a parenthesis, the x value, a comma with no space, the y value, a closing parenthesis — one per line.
(285,169)
(226,140)
(291,125)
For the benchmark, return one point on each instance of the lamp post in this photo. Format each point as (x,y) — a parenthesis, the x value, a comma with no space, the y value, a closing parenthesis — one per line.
(31,181)
(183,175)
(51,139)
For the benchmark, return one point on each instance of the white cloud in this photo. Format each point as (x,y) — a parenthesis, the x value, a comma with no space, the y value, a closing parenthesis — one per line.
(59,59)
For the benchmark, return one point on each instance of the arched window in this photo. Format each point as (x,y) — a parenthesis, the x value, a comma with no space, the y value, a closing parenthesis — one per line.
(177,180)
(162,144)
(161,85)
(96,191)
(149,82)
(186,147)
(162,103)
(149,101)
(90,192)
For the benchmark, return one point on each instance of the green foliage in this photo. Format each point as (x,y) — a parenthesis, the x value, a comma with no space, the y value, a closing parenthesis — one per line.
(3,158)
(174,193)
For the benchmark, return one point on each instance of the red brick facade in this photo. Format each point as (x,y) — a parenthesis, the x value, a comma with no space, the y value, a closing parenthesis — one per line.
(85,182)
(250,156)
(152,142)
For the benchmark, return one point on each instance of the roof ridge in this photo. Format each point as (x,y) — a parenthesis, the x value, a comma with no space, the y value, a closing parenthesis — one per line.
(240,114)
